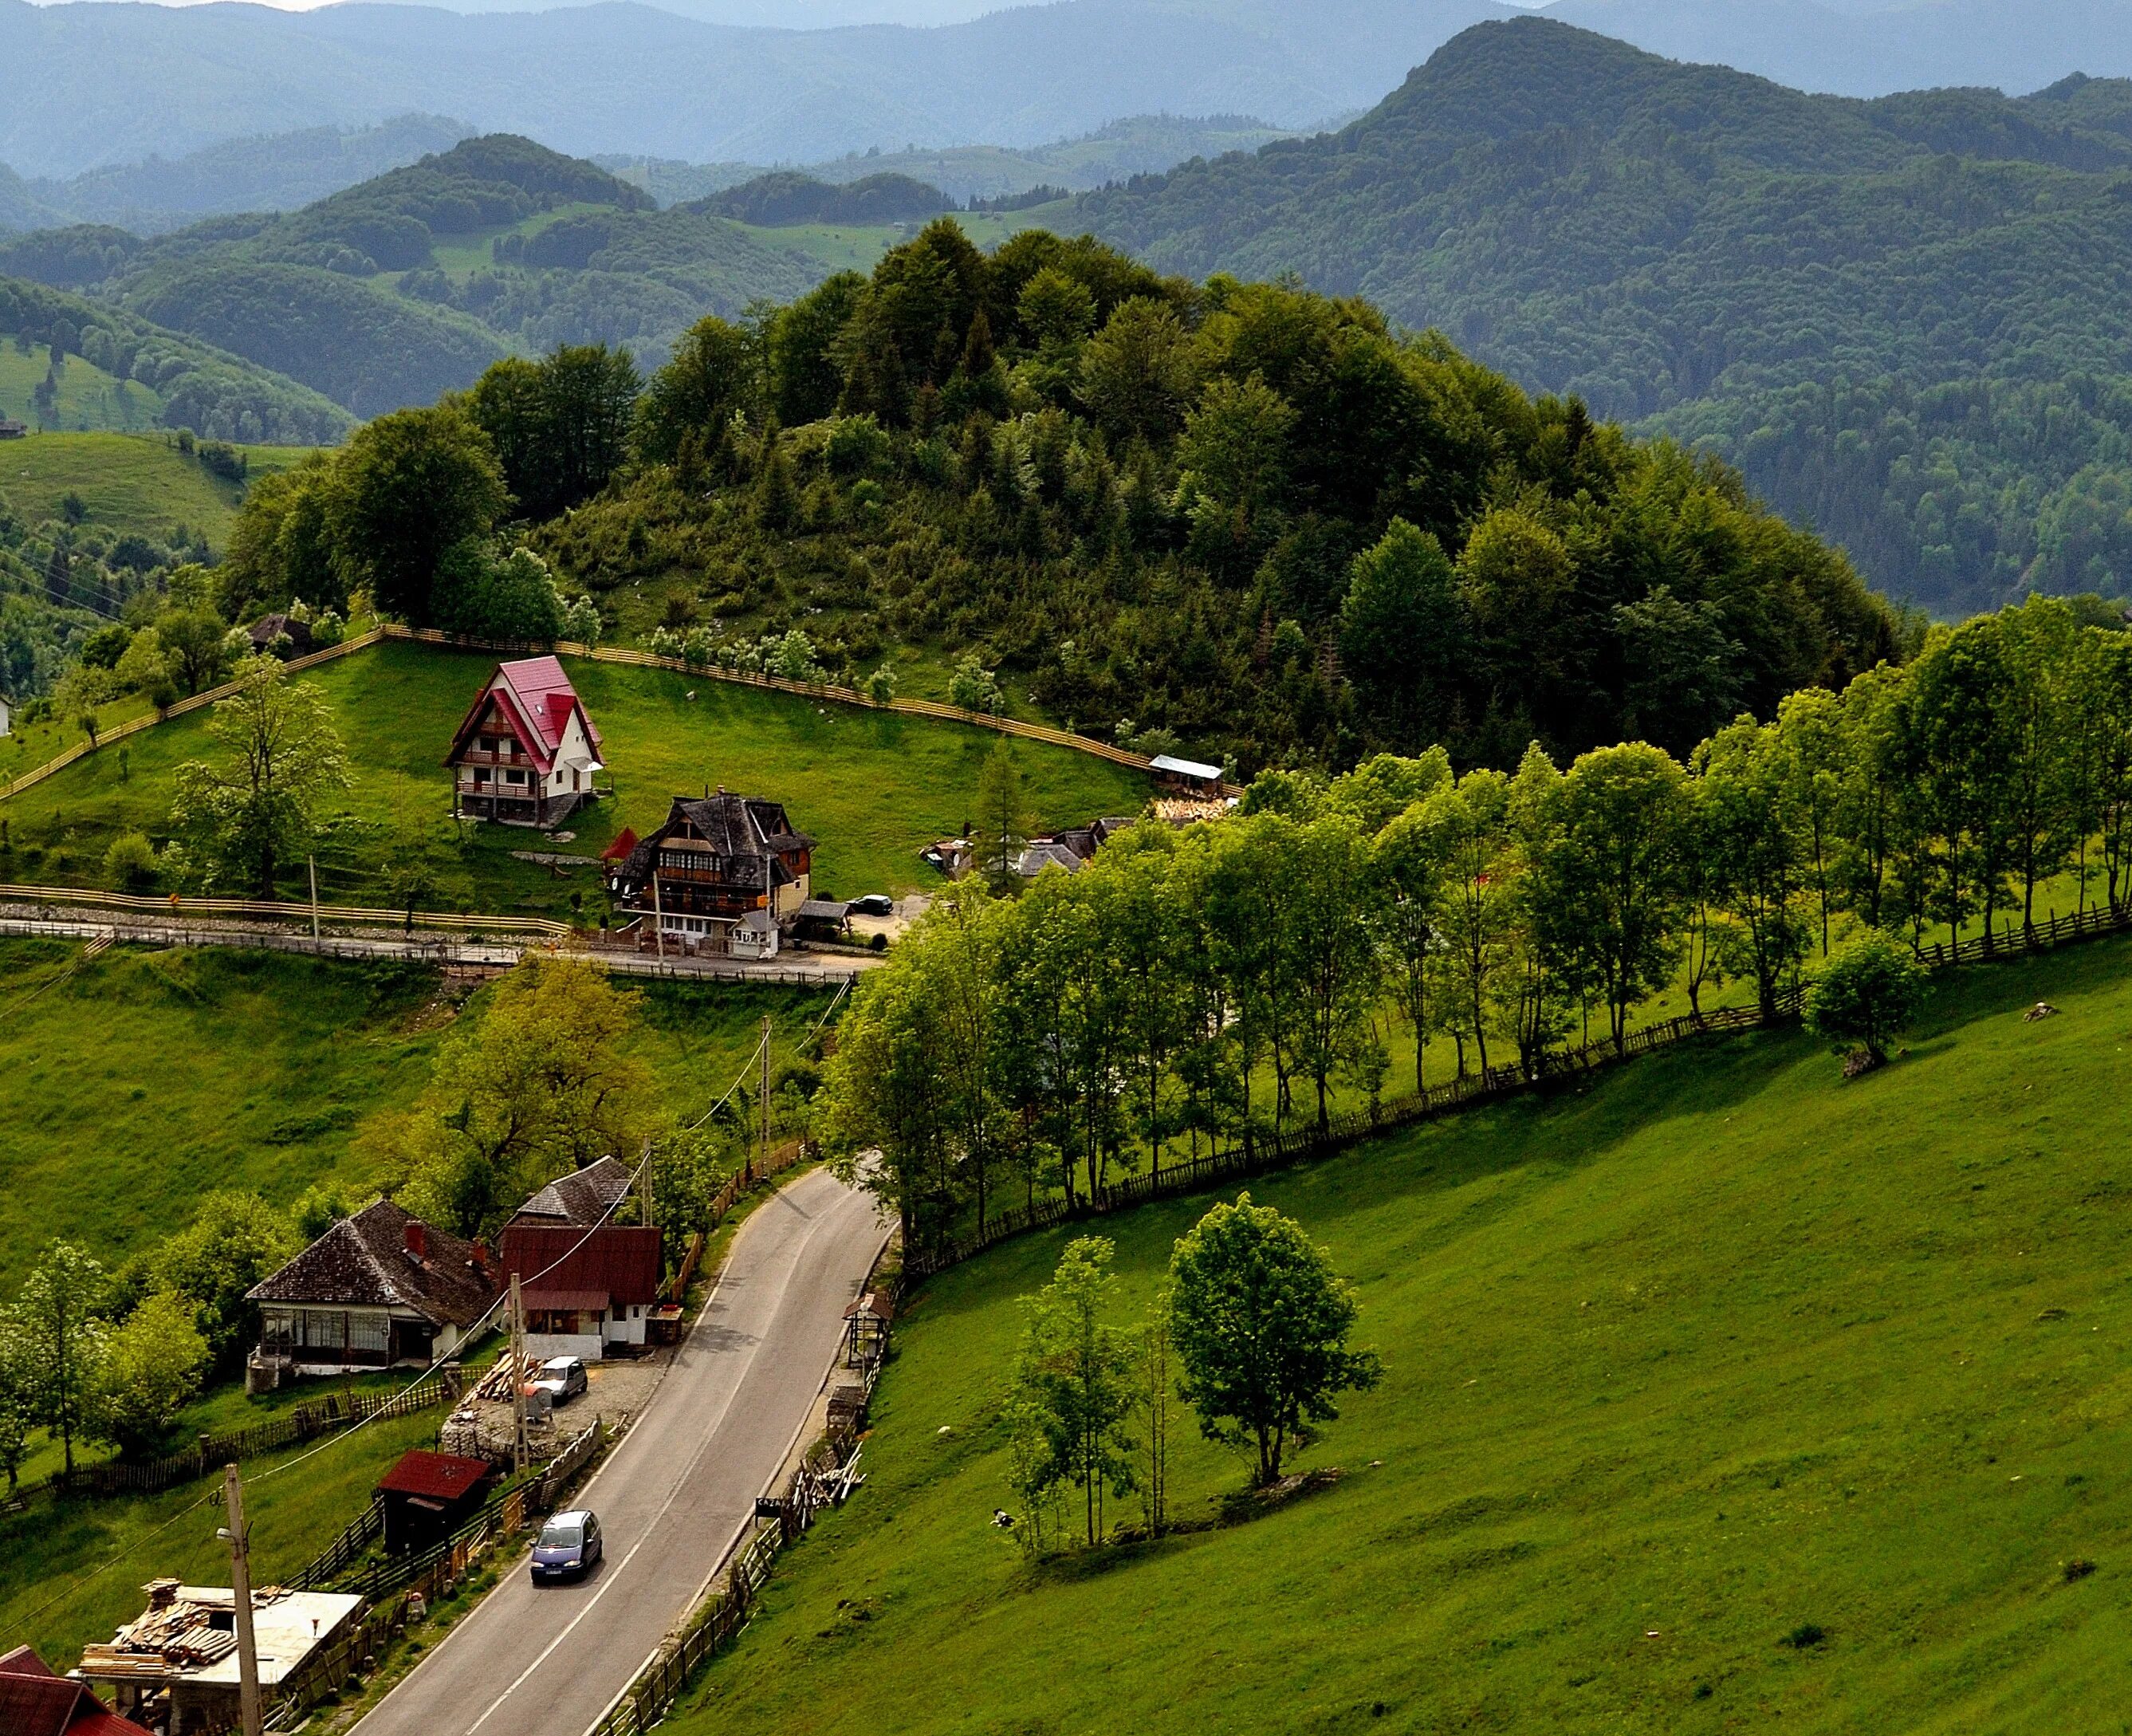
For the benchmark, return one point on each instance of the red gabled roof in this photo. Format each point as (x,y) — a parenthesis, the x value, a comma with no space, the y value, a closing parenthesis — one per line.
(619,850)
(538,700)
(439,1476)
(34,1702)
(620,1261)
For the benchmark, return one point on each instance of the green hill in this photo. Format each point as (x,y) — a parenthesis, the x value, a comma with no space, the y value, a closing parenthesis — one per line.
(115,369)
(872,787)
(405,286)
(1683,1369)
(1900,316)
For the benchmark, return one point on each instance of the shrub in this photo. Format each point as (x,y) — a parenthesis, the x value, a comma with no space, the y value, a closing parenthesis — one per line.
(1868,990)
(1805,1636)
(974,687)
(129,865)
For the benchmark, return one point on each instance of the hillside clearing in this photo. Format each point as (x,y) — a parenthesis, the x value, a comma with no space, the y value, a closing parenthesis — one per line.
(137,483)
(1721,1352)
(872,787)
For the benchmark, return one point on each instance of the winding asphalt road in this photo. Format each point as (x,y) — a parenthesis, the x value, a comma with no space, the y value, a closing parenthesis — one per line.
(675,1494)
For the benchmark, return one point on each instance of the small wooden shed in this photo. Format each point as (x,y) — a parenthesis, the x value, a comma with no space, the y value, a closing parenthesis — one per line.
(428,1496)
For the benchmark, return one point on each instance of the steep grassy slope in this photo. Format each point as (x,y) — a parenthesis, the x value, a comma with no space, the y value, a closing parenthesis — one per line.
(872,788)
(1722,1348)
(174,1074)
(131,484)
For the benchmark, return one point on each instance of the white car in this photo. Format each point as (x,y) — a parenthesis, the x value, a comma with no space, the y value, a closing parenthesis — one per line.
(561,1377)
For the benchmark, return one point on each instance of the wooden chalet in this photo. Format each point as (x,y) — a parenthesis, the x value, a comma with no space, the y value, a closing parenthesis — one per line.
(268,630)
(725,875)
(589,1285)
(376,1291)
(527,751)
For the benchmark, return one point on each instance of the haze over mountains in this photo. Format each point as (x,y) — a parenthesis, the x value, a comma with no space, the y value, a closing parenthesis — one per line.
(96,84)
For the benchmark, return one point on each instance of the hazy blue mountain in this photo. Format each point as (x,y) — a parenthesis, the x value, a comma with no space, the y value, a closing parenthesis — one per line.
(93,84)
(1143,144)
(278,173)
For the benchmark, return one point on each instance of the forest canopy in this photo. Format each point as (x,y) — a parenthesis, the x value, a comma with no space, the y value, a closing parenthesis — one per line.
(1241,517)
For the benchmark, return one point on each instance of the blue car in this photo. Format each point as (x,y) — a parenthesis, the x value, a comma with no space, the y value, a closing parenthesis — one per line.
(568,1548)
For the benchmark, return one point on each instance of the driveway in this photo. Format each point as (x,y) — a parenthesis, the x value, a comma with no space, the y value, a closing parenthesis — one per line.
(675,1494)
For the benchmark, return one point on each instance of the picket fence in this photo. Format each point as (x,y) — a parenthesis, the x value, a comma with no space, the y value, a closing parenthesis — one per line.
(306,1422)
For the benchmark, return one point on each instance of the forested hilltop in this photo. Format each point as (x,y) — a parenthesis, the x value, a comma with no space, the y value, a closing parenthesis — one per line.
(1243,518)
(408,285)
(1902,318)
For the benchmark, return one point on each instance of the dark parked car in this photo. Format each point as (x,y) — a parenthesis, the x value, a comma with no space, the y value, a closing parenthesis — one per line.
(874,904)
(568,1548)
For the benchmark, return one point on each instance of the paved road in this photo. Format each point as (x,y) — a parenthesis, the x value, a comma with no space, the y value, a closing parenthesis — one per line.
(675,1494)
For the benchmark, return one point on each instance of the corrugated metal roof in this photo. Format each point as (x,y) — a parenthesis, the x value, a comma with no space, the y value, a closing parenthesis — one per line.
(1178,767)
(621,1260)
(574,1301)
(441,1476)
(34,1702)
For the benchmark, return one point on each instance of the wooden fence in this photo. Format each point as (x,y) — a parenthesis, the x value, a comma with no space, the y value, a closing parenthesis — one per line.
(197,702)
(332,1412)
(278,910)
(609,654)
(2015,941)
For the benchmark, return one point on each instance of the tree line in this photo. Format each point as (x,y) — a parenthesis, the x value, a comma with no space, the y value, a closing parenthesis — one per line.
(1190,987)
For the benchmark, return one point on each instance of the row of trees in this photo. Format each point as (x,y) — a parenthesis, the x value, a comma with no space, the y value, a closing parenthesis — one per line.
(1249,1330)
(1186,987)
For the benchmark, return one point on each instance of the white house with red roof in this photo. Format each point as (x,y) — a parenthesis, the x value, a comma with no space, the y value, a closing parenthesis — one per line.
(527,751)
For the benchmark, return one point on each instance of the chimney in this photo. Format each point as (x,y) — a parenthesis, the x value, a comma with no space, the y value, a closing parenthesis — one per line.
(418,1238)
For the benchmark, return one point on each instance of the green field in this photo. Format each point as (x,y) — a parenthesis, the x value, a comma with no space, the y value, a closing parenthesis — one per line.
(129,482)
(86,396)
(1721,1348)
(58,1593)
(176,1073)
(872,787)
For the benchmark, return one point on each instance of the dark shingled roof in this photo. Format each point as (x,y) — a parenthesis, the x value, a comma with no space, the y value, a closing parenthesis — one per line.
(364,1262)
(731,826)
(583,1196)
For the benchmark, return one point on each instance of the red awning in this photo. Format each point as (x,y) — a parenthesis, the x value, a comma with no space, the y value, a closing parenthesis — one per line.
(574,1301)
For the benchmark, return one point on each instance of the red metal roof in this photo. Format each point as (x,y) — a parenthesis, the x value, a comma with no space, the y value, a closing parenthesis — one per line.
(34,1702)
(538,700)
(619,850)
(441,1476)
(621,1260)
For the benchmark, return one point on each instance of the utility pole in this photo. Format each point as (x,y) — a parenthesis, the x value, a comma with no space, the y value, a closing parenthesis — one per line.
(315,896)
(517,1376)
(658,913)
(765,1093)
(240,1587)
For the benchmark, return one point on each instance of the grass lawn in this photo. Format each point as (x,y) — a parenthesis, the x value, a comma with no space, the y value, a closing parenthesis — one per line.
(872,787)
(137,482)
(1718,1350)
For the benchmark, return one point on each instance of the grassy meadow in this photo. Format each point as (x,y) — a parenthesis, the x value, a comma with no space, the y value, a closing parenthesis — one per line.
(130,482)
(86,397)
(1681,1368)
(872,787)
(176,1073)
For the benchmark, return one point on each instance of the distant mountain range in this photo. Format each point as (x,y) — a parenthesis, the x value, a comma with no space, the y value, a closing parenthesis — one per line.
(1903,318)
(90,85)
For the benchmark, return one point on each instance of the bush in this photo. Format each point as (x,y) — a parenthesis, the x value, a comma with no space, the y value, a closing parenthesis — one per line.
(1868,990)
(129,865)
(974,687)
